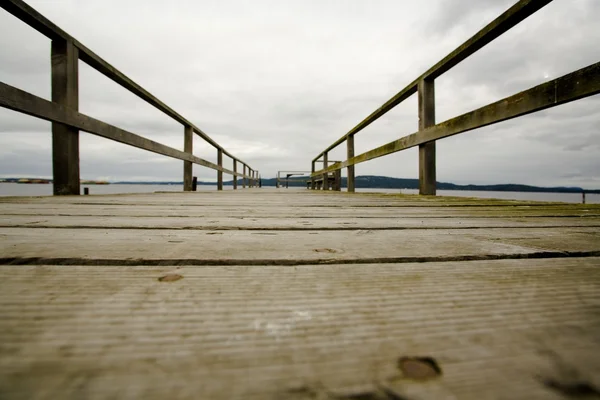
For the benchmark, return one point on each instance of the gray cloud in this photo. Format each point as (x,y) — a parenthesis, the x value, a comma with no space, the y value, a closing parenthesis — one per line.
(455,14)
(276,82)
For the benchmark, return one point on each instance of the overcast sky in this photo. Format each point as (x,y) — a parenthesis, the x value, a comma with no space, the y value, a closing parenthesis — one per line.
(275,82)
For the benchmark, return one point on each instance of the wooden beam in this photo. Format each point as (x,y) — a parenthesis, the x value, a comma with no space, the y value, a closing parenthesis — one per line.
(220,173)
(188,146)
(65,138)
(34,19)
(511,17)
(37,21)
(337,182)
(325,180)
(234,174)
(26,103)
(427,168)
(245,180)
(574,86)
(350,169)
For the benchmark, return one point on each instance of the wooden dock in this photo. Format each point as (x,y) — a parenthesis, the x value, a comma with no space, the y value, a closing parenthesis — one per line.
(298,294)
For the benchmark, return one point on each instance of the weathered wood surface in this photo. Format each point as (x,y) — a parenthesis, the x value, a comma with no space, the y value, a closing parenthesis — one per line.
(427,164)
(65,139)
(27,103)
(507,20)
(85,315)
(188,147)
(37,21)
(582,83)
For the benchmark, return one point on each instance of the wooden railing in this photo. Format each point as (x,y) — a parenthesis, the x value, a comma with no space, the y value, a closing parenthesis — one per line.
(579,84)
(62,111)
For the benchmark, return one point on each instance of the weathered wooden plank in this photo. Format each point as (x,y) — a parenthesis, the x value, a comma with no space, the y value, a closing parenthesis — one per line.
(43,25)
(33,18)
(576,85)
(427,165)
(235,181)
(329,215)
(324,177)
(515,329)
(245,180)
(301,197)
(220,219)
(260,247)
(21,101)
(350,169)
(188,147)
(304,199)
(219,173)
(65,138)
(513,16)
(302,204)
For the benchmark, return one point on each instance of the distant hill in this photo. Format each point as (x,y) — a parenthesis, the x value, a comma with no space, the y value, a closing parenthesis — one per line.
(384,182)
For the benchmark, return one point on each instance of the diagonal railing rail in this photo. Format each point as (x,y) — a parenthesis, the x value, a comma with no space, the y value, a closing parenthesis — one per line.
(579,84)
(67,121)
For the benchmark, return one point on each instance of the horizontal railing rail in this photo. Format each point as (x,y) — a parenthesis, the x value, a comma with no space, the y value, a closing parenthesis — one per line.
(579,84)
(66,120)
(288,176)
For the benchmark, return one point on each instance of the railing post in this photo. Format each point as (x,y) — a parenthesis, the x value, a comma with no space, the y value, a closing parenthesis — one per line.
(325,183)
(251,180)
(313,184)
(188,143)
(220,173)
(234,174)
(337,185)
(350,168)
(427,175)
(65,139)
(244,179)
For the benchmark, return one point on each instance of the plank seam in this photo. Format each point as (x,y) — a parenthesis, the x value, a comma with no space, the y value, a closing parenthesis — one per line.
(292,229)
(285,262)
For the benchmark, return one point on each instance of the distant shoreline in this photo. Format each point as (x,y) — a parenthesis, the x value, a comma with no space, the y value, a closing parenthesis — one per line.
(361,182)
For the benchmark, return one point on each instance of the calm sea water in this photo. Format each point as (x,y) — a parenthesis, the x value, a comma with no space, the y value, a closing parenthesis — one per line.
(20,189)
(16,189)
(561,197)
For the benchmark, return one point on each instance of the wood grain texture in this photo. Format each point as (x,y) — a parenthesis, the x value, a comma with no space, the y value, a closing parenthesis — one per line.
(65,138)
(427,159)
(21,101)
(507,20)
(37,21)
(582,83)
(497,329)
(270,294)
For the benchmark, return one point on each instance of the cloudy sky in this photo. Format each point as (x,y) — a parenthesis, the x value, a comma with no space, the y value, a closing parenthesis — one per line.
(275,82)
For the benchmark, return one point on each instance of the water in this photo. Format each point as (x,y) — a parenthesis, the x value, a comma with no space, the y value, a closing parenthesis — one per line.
(590,198)
(20,189)
(17,189)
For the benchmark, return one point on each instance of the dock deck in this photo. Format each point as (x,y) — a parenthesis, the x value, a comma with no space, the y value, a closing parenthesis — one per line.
(298,294)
